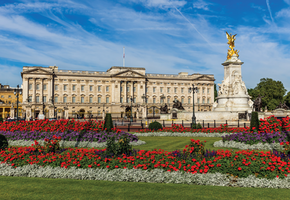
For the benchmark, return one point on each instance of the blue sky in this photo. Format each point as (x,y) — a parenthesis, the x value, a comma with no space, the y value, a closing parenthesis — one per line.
(164,36)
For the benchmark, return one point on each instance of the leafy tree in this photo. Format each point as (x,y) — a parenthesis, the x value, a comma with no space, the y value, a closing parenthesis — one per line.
(287,99)
(273,92)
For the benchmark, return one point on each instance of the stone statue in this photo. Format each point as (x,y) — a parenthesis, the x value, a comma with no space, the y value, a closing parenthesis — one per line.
(231,42)
(215,104)
(178,105)
(164,109)
(250,103)
(258,103)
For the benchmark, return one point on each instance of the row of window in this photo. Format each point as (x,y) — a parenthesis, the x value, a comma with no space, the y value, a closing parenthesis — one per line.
(107,88)
(108,99)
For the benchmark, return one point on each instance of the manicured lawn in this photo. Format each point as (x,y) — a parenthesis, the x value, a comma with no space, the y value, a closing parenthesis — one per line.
(173,143)
(42,188)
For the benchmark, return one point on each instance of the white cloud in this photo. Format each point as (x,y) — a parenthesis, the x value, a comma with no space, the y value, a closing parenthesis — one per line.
(201,4)
(161,3)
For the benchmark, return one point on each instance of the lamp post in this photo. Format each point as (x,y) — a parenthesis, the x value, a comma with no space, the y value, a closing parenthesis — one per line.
(131,120)
(17,92)
(193,90)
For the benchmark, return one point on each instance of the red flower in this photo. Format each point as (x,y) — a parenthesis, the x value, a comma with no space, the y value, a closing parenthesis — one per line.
(239,169)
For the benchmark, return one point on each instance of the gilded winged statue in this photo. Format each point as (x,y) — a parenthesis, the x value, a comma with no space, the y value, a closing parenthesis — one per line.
(231,42)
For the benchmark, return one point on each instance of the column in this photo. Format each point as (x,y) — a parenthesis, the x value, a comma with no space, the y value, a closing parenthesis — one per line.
(27,89)
(49,80)
(24,97)
(34,91)
(113,92)
(125,93)
(41,92)
(139,98)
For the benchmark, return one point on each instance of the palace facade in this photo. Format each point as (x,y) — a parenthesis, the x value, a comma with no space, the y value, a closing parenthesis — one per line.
(8,102)
(71,93)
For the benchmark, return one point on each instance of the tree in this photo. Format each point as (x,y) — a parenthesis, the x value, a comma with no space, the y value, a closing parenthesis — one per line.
(215,92)
(287,99)
(273,92)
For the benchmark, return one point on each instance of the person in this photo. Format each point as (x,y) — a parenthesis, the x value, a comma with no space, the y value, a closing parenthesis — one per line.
(31,118)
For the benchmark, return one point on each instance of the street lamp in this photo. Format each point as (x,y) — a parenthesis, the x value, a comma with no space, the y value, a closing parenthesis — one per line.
(193,90)
(17,92)
(131,108)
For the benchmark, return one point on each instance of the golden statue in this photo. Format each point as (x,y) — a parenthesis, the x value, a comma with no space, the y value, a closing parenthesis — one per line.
(231,42)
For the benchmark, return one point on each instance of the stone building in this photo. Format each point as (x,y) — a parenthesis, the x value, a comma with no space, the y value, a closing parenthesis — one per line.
(71,93)
(8,100)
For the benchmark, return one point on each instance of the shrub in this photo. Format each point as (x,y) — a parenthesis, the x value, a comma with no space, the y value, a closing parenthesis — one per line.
(118,148)
(155,126)
(50,146)
(196,147)
(196,126)
(108,122)
(254,122)
(1,119)
(3,142)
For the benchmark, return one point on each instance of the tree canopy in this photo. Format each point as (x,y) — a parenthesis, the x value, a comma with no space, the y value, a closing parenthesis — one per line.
(272,92)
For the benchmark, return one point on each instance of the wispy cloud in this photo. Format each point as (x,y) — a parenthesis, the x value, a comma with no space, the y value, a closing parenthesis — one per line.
(201,4)
(270,12)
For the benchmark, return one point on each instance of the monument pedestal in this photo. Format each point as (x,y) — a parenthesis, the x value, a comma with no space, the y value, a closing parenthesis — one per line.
(233,94)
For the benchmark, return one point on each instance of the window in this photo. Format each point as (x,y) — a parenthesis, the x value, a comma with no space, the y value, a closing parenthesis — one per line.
(91,88)
(99,88)
(161,100)
(82,99)
(203,101)
(99,100)
(37,99)
(146,89)
(198,100)
(182,100)
(56,87)
(107,88)
(121,88)
(134,89)
(161,90)
(91,99)
(168,90)
(64,87)
(82,88)
(175,90)
(44,99)
(189,90)
(208,91)
(73,99)
(189,100)
(55,99)
(30,86)
(203,90)
(127,89)
(134,100)
(37,86)
(2,96)
(44,87)
(207,100)
(30,99)
(107,99)
(64,99)
(154,100)
(121,99)
(9,96)
(154,89)
(197,90)
(128,100)
(181,90)
(146,100)
(74,88)
(168,100)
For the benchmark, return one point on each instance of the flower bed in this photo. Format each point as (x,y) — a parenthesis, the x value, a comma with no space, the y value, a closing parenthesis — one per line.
(90,136)
(53,126)
(180,129)
(191,160)
(255,138)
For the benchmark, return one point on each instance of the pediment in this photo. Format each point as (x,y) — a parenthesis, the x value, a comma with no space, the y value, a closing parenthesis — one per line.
(128,73)
(205,78)
(37,71)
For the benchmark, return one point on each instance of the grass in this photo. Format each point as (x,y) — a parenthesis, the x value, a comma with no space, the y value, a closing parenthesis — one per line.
(43,188)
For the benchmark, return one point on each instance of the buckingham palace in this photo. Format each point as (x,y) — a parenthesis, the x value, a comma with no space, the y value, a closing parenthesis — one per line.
(56,93)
